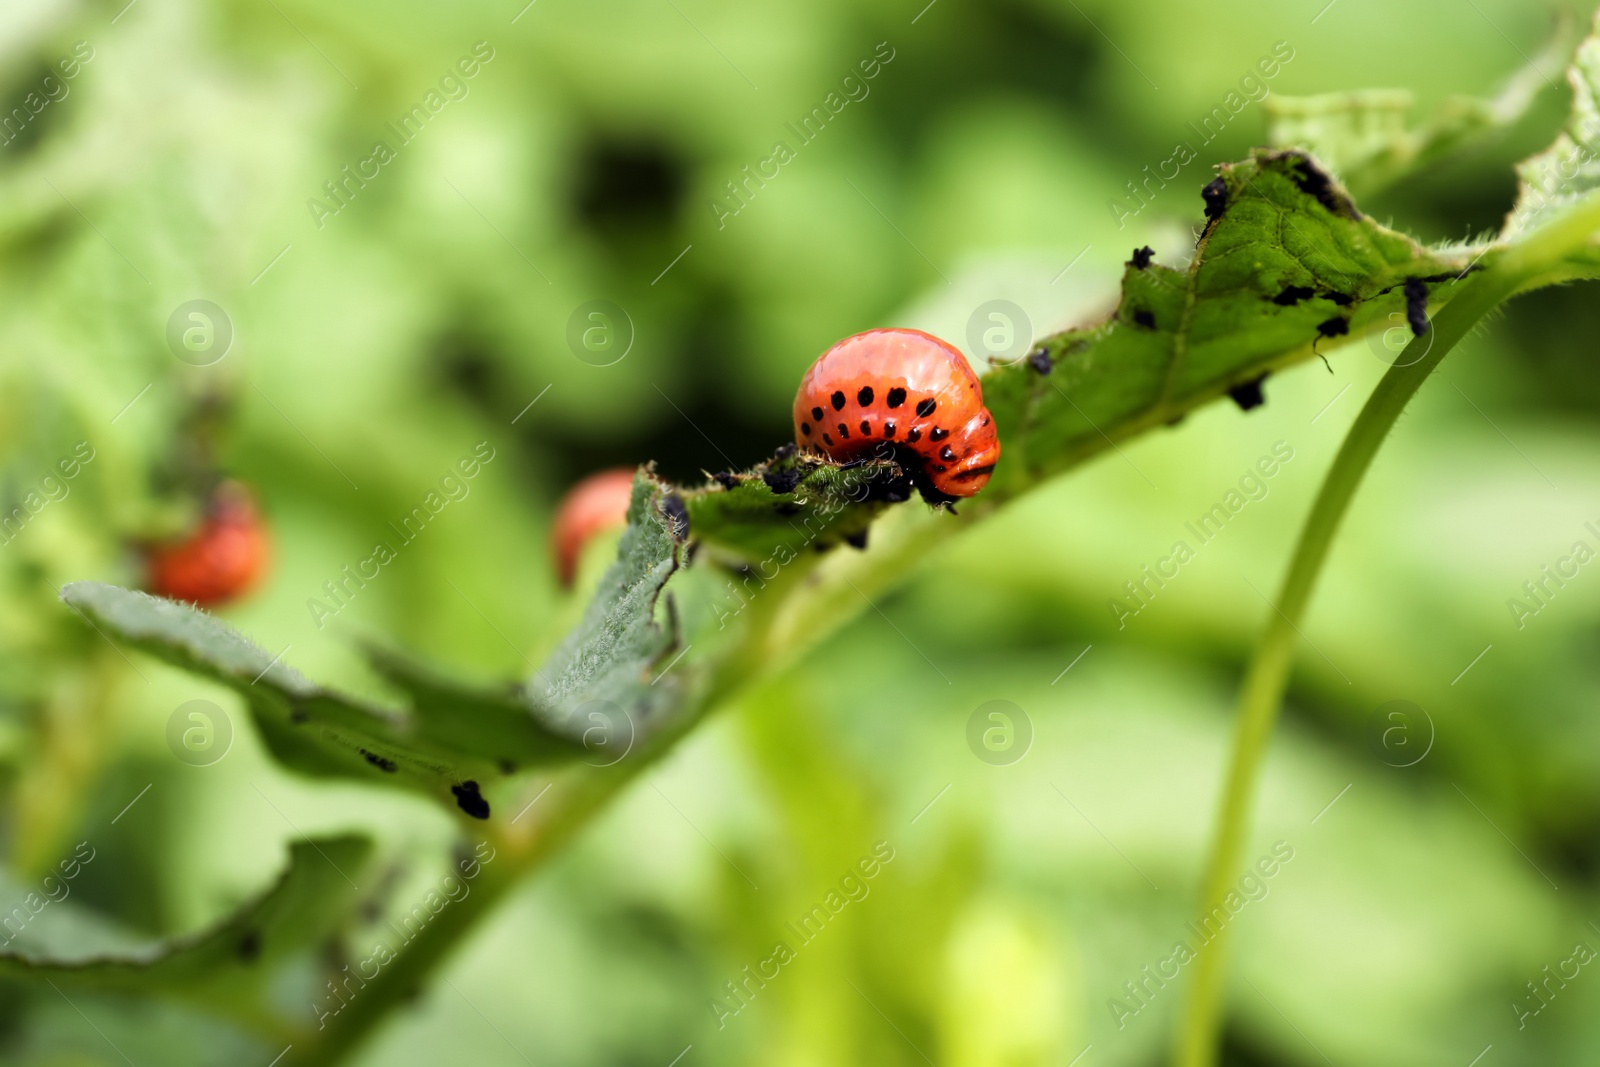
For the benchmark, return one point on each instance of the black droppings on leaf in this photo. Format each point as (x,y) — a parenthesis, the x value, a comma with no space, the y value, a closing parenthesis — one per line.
(1215,194)
(1339,298)
(1334,327)
(725,479)
(387,766)
(249,946)
(298,716)
(782,481)
(857,540)
(1248,394)
(1147,319)
(1293,295)
(1040,360)
(1141,257)
(507,767)
(787,508)
(469,800)
(785,450)
(1314,181)
(677,516)
(1417,305)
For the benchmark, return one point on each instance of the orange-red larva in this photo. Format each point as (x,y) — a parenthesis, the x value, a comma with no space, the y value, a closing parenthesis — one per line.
(597,503)
(221,560)
(905,393)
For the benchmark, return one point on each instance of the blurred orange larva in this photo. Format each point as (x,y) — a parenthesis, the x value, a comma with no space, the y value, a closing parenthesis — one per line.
(598,503)
(221,560)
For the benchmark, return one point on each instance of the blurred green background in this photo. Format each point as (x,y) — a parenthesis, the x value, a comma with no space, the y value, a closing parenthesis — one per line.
(582,164)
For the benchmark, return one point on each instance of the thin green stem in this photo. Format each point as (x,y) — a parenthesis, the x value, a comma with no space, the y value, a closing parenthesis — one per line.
(1261,695)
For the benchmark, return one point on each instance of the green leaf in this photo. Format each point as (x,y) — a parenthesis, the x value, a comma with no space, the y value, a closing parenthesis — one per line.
(604,667)
(474,722)
(225,967)
(1368,139)
(1288,262)
(320,732)
(793,503)
(1554,180)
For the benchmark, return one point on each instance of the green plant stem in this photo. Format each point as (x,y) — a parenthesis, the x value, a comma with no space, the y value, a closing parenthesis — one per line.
(575,798)
(1261,695)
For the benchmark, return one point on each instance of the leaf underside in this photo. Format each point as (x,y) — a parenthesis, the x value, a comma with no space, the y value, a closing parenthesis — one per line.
(223,967)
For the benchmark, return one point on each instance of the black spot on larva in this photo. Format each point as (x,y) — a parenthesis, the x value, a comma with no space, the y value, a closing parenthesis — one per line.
(915,435)
(938,434)
(1293,295)
(676,513)
(827,440)
(976,472)
(805,429)
(1039,360)
(897,396)
(1248,394)
(726,479)
(816,414)
(1141,257)
(1339,298)
(844,432)
(1215,194)
(857,540)
(469,800)
(1335,327)
(889,428)
(387,766)
(782,481)
(864,398)
(1146,319)
(838,400)
(866,428)
(1417,305)
(927,407)
(249,946)
(947,454)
